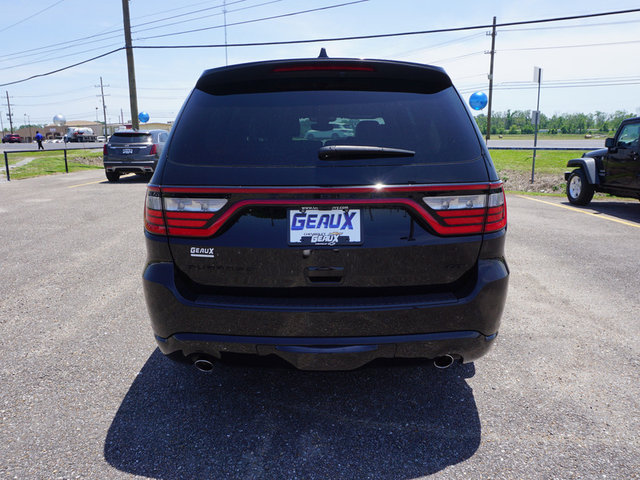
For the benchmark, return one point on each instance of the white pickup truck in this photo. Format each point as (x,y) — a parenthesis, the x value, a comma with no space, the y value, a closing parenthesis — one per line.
(77,134)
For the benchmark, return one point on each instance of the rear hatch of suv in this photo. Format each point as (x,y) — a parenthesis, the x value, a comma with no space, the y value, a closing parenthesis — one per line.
(253,206)
(130,145)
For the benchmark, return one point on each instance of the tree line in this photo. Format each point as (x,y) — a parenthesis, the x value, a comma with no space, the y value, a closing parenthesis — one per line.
(520,121)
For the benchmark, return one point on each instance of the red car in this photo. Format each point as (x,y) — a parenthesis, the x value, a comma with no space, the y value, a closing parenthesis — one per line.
(11,138)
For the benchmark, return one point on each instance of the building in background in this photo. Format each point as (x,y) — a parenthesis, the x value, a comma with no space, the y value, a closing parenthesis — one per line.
(56,132)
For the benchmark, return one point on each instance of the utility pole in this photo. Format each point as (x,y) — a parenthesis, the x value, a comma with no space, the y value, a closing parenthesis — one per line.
(133,96)
(10,115)
(104,107)
(492,52)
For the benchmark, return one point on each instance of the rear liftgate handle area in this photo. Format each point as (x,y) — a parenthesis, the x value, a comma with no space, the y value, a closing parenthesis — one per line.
(324,274)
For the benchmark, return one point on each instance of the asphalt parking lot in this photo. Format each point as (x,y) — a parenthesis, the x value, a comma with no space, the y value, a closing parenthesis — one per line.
(87,395)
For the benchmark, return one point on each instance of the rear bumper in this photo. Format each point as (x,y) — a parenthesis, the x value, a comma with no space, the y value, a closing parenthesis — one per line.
(342,353)
(126,166)
(325,335)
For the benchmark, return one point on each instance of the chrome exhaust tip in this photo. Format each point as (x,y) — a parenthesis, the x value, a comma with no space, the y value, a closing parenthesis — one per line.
(203,364)
(444,361)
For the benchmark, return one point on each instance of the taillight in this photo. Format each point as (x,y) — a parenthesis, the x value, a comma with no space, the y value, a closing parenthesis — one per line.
(153,216)
(104,149)
(154,149)
(182,216)
(496,212)
(467,214)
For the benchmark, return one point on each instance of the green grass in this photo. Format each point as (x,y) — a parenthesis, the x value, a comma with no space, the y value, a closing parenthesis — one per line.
(548,136)
(52,162)
(547,161)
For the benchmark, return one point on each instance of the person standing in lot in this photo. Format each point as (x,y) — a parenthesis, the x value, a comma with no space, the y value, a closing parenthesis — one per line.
(39,140)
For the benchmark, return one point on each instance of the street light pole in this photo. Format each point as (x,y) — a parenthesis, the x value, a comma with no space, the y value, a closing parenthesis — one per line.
(537,75)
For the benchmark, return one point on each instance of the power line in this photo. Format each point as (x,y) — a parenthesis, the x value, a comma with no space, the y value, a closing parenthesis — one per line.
(555,47)
(150,14)
(63,68)
(213,15)
(317,40)
(442,44)
(44,52)
(48,48)
(274,17)
(458,57)
(564,27)
(31,16)
(593,82)
(173,17)
(54,94)
(391,35)
(48,59)
(52,103)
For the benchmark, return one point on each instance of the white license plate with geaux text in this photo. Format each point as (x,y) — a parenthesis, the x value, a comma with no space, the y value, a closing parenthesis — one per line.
(312,226)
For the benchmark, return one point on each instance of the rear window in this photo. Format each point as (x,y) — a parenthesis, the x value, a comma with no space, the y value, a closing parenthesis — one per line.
(288,128)
(133,137)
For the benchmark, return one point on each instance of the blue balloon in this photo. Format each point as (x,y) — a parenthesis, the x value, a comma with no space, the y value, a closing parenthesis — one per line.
(478,100)
(143,117)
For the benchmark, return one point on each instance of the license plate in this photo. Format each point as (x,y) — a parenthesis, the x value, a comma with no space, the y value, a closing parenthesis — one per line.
(126,151)
(338,226)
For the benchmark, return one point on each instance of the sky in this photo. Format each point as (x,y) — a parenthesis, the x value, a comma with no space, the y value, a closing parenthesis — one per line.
(588,65)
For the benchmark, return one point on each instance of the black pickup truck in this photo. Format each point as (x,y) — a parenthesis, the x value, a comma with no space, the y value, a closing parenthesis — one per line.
(614,169)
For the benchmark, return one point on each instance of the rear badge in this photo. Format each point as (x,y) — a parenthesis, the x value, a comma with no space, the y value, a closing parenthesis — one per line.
(205,252)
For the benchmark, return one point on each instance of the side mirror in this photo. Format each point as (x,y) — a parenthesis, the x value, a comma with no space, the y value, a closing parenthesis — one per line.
(610,142)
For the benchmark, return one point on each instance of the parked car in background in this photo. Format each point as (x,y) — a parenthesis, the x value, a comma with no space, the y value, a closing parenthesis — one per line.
(261,242)
(133,151)
(11,138)
(614,169)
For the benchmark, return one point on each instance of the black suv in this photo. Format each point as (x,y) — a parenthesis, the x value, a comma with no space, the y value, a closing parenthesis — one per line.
(614,170)
(263,240)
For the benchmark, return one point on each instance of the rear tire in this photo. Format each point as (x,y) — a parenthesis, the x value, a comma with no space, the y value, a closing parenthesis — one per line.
(579,190)
(112,176)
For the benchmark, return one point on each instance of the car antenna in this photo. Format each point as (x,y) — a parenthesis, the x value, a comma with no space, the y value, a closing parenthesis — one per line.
(323,53)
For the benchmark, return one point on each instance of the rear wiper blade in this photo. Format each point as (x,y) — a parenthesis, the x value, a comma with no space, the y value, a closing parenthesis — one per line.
(348,152)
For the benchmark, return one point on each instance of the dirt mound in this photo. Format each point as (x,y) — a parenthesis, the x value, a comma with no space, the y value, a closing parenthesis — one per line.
(543,182)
